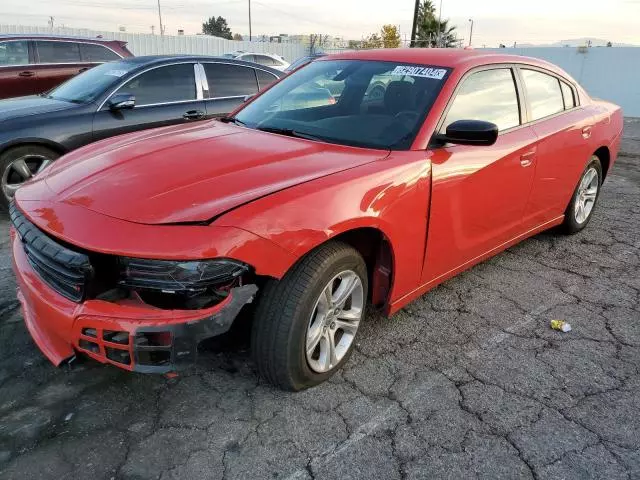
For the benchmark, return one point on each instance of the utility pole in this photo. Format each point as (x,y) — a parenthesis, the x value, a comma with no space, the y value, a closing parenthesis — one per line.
(415,24)
(160,17)
(249,20)
(51,22)
(153,29)
(471,32)
(440,25)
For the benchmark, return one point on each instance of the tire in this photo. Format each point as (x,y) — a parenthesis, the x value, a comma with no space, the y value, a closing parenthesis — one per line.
(573,220)
(34,158)
(289,311)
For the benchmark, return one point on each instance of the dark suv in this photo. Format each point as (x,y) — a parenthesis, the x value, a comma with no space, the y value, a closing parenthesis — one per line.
(31,64)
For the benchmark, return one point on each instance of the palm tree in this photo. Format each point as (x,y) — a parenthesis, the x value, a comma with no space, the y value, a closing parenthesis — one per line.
(448,38)
(430,30)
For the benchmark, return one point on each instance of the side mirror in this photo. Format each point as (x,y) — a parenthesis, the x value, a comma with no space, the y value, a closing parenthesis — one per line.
(470,132)
(122,101)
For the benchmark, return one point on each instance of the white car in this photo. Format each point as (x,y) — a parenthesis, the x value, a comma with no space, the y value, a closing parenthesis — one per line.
(268,59)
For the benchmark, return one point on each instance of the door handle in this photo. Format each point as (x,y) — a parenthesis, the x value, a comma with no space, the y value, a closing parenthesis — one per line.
(526,159)
(193,115)
(26,73)
(586,132)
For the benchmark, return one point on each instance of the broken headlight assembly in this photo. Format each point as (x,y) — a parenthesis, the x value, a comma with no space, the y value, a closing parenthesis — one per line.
(189,285)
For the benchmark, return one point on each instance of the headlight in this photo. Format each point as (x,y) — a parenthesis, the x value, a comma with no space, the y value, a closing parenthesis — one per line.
(178,276)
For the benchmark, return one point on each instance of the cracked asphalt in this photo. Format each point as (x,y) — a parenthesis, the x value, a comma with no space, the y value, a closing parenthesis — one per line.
(469,381)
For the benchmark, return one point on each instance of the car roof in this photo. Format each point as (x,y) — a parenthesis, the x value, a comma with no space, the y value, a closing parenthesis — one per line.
(147,60)
(44,36)
(441,57)
(261,53)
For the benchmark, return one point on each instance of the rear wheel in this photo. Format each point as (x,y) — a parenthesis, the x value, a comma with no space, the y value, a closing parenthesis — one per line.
(18,165)
(582,204)
(306,324)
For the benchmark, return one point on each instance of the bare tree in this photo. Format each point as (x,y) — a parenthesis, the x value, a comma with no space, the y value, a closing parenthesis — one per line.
(317,41)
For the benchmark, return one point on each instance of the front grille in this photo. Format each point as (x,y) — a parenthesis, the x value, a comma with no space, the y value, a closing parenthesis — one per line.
(66,271)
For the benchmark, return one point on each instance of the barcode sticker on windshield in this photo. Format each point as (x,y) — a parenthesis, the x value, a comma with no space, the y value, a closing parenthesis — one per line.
(426,72)
(116,73)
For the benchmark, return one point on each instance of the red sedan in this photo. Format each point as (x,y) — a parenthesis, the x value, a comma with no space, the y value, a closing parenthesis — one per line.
(134,249)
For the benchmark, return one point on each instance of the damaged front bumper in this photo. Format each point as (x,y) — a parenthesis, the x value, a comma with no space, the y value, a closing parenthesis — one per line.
(128,334)
(156,347)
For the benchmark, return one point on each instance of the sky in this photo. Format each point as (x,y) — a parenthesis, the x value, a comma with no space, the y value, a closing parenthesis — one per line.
(495,21)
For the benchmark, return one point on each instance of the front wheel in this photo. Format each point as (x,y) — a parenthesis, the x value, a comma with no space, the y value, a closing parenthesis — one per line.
(585,196)
(306,324)
(18,165)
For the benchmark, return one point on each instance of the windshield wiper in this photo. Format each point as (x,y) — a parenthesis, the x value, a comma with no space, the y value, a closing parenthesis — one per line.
(289,132)
(232,120)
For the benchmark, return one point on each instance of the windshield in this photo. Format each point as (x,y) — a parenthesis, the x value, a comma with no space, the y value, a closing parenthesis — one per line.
(89,85)
(360,103)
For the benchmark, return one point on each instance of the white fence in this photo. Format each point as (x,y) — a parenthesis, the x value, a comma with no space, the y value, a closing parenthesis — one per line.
(146,44)
(609,73)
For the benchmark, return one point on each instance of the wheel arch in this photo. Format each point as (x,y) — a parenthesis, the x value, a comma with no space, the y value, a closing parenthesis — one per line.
(604,155)
(39,142)
(377,251)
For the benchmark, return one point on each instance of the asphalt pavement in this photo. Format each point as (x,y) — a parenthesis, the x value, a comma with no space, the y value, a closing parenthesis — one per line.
(468,381)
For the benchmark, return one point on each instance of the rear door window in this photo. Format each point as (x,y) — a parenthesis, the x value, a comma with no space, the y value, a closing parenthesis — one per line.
(227,80)
(543,92)
(488,95)
(58,52)
(173,83)
(97,53)
(14,53)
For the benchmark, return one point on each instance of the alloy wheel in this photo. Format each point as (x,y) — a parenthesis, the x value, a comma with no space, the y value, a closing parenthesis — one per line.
(21,170)
(334,321)
(586,195)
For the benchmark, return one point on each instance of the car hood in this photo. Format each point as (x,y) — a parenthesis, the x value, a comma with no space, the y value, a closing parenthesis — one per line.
(187,173)
(32,105)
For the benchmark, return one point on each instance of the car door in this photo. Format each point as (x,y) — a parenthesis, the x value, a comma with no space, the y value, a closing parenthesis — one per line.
(164,95)
(57,61)
(564,130)
(228,85)
(479,193)
(17,75)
